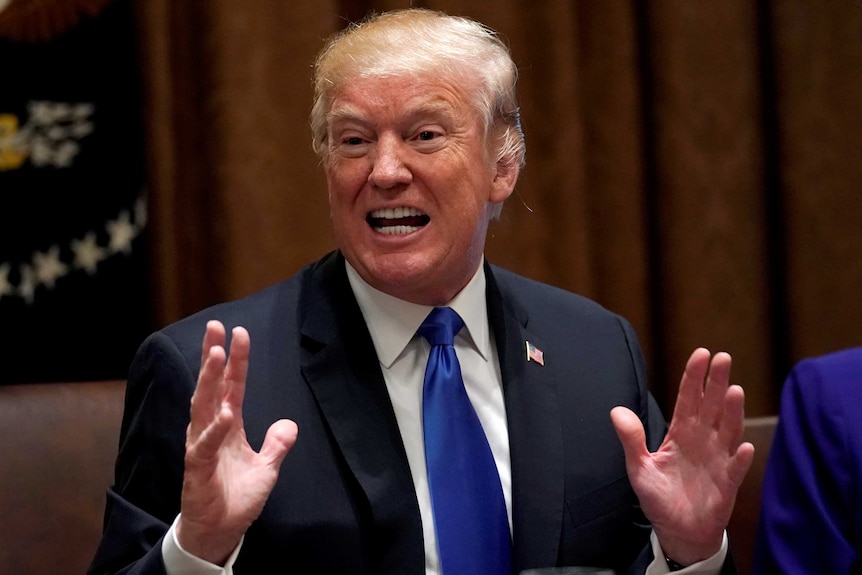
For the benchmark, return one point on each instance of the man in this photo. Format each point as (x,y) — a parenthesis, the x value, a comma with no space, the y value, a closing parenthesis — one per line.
(810,517)
(416,122)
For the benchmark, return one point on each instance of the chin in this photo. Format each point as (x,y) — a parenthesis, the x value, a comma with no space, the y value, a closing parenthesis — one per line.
(395,275)
(398,276)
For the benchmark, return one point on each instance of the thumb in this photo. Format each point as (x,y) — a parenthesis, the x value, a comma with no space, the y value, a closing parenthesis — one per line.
(630,431)
(741,462)
(280,438)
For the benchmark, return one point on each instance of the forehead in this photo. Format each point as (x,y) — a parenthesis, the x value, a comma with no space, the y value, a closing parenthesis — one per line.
(402,97)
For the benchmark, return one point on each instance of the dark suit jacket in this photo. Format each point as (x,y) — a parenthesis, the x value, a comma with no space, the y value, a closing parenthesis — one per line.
(811,508)
(344,501)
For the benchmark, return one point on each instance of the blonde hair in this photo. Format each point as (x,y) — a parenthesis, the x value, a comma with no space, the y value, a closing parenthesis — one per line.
(415,41)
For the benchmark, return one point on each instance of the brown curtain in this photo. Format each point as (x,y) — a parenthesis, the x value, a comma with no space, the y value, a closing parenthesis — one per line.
(690,164)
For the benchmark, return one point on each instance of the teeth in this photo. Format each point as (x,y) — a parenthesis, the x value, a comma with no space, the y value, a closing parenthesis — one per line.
(395,213)
(393,230)
(391,215)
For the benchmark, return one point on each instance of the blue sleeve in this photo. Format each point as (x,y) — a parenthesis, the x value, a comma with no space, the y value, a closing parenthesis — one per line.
(811,513)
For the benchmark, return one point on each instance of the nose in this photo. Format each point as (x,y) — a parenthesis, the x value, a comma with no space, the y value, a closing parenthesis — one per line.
(389,169)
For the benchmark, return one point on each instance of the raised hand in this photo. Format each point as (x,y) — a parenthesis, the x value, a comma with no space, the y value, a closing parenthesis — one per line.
(687,488)
(226,483)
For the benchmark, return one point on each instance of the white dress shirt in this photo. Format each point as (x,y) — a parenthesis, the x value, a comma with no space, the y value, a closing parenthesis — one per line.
(403,354)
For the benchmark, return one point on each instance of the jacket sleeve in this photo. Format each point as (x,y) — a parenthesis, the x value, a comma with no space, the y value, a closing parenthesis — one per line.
(145,497)
(808,506)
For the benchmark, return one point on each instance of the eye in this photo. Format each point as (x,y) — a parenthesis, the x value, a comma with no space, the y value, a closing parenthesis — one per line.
(427,138)
(350,144)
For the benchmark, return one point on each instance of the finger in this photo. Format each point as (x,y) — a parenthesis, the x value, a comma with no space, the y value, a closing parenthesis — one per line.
(206,399)
(732,426)
(630,431)
(690,394)
(214,335)
(211,391)
(237,368)
(715,391)
(280,438)
(740,463)
(205,448)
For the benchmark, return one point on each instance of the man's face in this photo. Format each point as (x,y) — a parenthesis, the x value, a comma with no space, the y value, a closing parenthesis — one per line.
(411,184)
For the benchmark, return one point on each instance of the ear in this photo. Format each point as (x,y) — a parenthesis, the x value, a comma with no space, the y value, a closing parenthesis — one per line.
(505,176)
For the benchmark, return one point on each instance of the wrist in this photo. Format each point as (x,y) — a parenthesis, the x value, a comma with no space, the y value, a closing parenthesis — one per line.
(680,553)
(214,550)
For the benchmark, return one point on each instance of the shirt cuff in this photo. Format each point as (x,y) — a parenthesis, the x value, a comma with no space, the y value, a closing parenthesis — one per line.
(709,566)
(178,561)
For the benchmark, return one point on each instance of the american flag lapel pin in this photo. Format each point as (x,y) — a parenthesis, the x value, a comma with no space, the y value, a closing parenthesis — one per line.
(535,354)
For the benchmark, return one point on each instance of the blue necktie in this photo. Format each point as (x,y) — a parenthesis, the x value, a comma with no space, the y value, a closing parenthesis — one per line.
(466,495)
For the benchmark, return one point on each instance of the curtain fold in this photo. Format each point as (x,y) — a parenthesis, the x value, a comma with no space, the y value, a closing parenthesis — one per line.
(706,202)
(689,164)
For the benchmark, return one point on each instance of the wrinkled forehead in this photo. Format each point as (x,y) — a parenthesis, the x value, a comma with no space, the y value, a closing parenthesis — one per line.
(404,100)
(430,72)
(425,92)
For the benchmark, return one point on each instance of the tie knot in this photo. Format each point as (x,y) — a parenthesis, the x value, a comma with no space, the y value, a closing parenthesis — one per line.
(441,325)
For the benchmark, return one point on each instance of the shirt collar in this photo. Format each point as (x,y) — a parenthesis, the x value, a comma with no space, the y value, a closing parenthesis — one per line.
(393,322)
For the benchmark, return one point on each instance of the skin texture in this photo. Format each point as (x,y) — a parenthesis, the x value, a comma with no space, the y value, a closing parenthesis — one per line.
(226,483)
(407,142)
(687,488)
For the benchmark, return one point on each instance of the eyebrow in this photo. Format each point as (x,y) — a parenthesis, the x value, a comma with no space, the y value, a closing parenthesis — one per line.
(343,113)
(347,113)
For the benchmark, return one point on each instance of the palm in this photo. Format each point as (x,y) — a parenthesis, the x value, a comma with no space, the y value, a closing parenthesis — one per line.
(687,488)
(226,482)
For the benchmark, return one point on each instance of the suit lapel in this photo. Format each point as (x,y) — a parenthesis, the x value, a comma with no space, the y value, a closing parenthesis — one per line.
(535,433)
(341,367)
(342,370)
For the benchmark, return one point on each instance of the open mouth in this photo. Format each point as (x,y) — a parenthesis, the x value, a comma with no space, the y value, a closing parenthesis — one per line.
(400,220)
